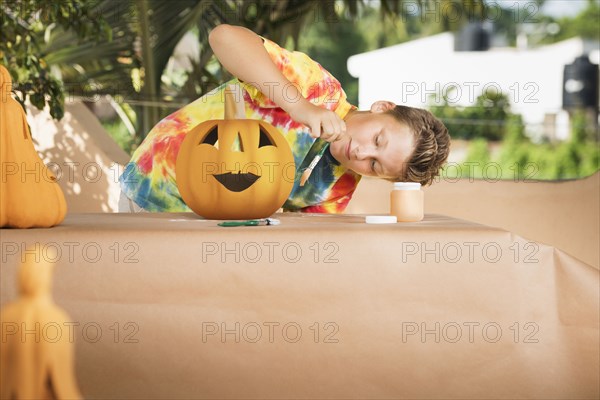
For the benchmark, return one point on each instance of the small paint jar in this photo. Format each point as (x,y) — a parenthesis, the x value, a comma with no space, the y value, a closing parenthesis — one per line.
(407,201)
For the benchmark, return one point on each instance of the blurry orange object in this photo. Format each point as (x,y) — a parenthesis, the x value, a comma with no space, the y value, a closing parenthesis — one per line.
(29,194)
(36,357)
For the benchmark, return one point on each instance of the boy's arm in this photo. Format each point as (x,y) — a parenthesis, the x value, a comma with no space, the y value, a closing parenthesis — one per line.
(242,53)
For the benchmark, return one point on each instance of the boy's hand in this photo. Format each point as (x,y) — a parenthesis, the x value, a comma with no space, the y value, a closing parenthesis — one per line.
(322,123)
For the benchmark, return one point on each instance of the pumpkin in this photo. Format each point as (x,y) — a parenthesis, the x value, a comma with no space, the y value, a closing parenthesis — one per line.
(234,169)
(29,194)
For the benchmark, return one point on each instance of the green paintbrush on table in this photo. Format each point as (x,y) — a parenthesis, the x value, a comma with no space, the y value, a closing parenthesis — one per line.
(251,222)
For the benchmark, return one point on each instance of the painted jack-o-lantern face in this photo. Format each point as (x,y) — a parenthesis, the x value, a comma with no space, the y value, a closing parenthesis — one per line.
(235,169)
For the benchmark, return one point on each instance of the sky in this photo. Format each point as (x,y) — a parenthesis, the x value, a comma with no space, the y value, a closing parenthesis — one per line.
(554,8)
(563,8)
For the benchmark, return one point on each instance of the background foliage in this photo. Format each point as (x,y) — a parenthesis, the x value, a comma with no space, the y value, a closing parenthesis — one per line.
(121,50)
(26,26)
(489,118)
(108,47)
(521,160)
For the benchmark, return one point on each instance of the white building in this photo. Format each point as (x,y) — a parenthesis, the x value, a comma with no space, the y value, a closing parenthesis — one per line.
(411,72)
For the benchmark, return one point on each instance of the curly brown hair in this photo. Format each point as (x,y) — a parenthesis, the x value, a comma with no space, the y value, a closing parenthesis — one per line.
(432,145)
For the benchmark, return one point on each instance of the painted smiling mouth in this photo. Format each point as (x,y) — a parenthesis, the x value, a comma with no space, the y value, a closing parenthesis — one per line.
(236,182)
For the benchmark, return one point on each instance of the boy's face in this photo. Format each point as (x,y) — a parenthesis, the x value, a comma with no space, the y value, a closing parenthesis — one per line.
(375,144)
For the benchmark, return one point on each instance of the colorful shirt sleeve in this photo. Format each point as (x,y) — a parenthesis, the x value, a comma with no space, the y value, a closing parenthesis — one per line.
(315,83)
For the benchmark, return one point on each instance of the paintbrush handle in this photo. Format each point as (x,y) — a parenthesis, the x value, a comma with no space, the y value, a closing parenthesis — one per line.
(312,165)
(318,157)
(314,162)
(251,222)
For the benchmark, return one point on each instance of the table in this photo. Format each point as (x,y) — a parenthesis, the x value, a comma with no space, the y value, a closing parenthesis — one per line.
(321,306)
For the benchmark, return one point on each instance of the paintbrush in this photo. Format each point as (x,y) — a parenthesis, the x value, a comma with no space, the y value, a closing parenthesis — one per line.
(312,165)
(251,222)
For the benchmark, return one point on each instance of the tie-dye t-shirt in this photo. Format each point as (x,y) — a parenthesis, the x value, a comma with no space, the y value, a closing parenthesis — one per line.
(149,178)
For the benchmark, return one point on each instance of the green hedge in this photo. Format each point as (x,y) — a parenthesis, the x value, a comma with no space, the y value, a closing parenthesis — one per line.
(519,159)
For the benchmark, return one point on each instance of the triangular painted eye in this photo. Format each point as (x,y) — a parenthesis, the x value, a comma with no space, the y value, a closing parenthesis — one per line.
(212,137)
(265,139)
(237,144)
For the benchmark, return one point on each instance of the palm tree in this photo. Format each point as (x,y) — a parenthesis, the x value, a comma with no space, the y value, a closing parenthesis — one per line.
(144,34)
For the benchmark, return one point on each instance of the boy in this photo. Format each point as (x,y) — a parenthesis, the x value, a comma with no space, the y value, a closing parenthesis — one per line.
(309,107)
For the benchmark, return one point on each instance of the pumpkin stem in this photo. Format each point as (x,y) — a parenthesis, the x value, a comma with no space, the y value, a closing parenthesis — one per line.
(234,102)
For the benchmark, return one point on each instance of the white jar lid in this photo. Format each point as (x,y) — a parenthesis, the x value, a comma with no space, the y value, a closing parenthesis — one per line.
(407,186)
(381,219)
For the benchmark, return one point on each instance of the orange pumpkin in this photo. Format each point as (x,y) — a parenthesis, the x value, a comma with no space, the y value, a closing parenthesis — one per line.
(235,169)
(29,194)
